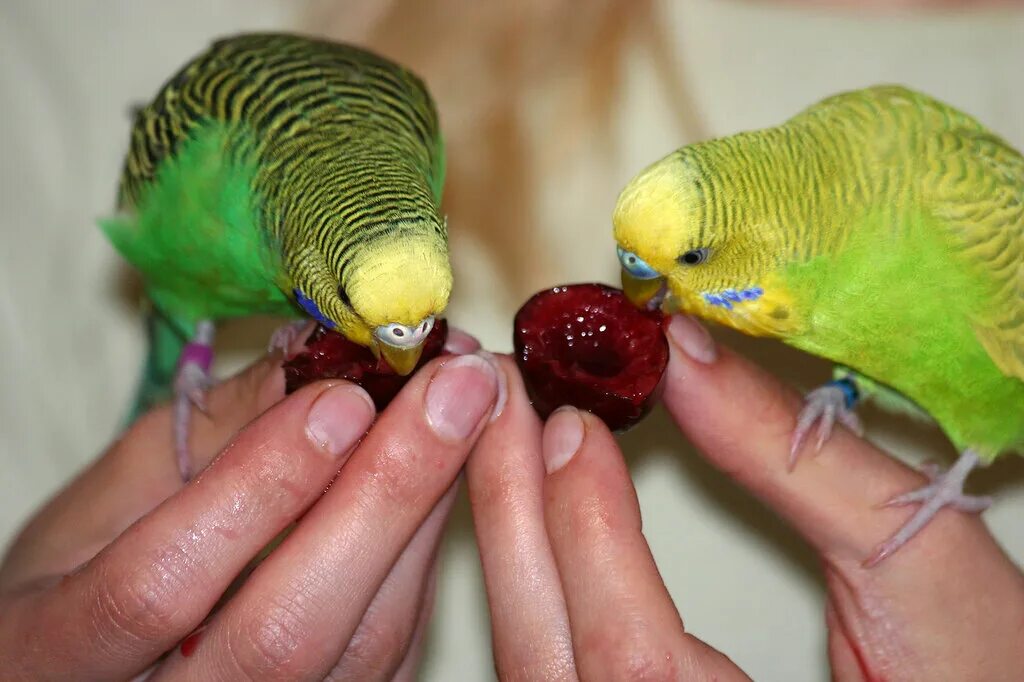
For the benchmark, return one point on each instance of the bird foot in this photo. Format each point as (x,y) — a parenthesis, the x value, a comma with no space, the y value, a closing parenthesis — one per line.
(191,382)
(825,406)
(190,385)
(946,489)
(286,335)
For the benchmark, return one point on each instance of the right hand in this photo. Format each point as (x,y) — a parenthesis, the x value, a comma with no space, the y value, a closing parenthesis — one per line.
(574,591)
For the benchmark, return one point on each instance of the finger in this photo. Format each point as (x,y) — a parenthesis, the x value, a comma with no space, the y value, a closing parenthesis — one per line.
(398,614)
(741,418)
(298,611)
(529,621)
(385,636)
(140,466)
(624,624)
(409,670)
(161,577)
(460,342)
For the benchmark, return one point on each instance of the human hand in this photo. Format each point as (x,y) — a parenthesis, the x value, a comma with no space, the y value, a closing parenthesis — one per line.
(948,606)
(574,592)
(125,563)
(571,584)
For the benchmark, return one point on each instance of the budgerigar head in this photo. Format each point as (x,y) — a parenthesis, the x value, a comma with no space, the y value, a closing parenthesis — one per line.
(689,237)
(387,294)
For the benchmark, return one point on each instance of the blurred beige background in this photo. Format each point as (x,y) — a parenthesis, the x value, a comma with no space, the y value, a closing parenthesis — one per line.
(71,343)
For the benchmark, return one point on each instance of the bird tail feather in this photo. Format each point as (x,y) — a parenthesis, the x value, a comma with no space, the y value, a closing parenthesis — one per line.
(156,384)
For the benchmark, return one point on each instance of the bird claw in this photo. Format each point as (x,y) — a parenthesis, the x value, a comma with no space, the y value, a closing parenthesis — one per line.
(190,386)
(944,490)
(823,406)
(286,335)
(193,382)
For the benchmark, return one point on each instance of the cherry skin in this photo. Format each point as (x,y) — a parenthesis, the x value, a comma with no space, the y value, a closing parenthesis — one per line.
(329,355)
(586,345)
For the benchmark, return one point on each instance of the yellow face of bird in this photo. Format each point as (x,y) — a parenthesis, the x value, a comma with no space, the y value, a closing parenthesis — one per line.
(393,293)
(674,255)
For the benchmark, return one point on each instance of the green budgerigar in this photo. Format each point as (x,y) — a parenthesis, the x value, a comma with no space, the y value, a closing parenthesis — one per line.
(278,174)
(880,229)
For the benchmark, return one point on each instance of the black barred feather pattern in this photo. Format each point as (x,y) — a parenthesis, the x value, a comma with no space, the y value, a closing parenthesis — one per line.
(346,145)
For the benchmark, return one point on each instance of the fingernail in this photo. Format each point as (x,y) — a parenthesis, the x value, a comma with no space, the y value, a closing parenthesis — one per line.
(693,339)
(460,342)
(338,418)
(499,402)
(563,436)
(460,394)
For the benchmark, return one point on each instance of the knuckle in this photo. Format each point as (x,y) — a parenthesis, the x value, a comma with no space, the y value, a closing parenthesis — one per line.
(146,603)
(271,645)
(278,477)
(594,516)
(526,663)
(630,656)
(377,649)
(396,480)
(637,662)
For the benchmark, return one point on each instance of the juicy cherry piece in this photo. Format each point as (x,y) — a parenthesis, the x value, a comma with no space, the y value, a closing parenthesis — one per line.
(329,355)
(586,345)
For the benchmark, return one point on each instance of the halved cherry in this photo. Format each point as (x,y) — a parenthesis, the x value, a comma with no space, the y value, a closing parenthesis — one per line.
(329,355)
(586,345)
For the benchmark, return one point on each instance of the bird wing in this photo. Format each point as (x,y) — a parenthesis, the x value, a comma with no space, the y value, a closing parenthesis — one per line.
(979,193)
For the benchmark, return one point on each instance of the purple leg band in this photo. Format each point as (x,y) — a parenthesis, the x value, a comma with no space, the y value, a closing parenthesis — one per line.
(198,354)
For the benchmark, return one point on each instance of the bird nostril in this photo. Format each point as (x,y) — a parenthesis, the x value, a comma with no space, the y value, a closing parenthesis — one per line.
(399,333)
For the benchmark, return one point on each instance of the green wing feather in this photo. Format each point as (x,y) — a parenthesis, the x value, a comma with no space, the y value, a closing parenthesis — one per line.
(979,192)
(272,162)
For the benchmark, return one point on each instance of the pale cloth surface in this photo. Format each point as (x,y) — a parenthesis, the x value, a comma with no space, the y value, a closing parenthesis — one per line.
(71,347)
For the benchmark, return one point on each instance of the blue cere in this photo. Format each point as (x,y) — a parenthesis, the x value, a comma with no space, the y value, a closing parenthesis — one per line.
(310,307)
(635,265)
(726,298)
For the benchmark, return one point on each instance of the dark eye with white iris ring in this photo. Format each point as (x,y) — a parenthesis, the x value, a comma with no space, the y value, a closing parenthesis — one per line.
(694,257)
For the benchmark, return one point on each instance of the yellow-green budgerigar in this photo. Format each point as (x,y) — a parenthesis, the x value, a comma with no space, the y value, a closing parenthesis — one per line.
(278,174)
(880,229)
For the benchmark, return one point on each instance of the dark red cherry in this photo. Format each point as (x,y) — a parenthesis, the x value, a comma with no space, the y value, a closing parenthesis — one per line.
(329,355)
(586,345)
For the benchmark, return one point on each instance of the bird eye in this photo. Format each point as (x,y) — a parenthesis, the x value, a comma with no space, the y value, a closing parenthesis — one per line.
(695,257)
(343,296)
(395,334)
(635,265)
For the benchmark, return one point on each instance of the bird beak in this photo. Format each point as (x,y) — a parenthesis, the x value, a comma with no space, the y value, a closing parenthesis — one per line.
(402,360)
(641,292)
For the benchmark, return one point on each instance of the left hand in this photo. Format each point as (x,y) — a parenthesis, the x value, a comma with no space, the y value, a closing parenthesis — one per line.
(124,563)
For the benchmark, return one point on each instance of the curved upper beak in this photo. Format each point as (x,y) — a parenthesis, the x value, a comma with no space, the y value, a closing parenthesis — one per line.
(641,292)
(402,360)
